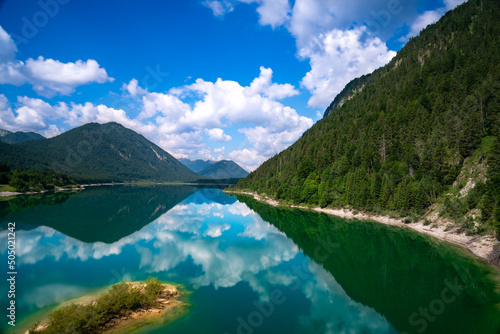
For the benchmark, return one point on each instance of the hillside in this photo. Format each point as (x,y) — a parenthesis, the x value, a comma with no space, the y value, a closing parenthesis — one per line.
(418,135)
(224,169)
(18,137)
(196,165)
(94,151)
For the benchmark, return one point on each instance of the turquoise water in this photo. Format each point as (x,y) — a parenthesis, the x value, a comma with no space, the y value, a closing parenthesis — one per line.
(251,268)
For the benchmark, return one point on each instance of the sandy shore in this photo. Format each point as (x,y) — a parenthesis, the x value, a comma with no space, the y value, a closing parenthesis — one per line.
(481,246)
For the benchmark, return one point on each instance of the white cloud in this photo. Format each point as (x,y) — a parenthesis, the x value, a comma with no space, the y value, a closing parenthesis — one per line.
(248,159)
(8,48)
(47,76)
(451,4)
(336,58)
(219,8)
(180,127)
(217,134)
(273,12)
(215,230)
(263,85)
(333,36)
(422,21)
(226,103)
(10,68)
(430,17)
(31,115)
(133,88)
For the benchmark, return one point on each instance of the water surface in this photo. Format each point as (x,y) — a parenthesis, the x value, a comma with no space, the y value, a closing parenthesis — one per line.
(251,268)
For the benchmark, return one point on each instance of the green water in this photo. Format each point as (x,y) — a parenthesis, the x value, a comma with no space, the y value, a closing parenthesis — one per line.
(251,268)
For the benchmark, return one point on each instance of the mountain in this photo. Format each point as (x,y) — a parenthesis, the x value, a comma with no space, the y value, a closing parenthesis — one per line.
(18,137)
(4,133)
(196,165)
(97,152)
(224,169)
(417,135)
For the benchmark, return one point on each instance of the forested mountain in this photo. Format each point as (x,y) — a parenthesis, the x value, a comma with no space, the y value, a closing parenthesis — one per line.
(18,137)
(196,165)
(419,133)
(94,151)
(224,169)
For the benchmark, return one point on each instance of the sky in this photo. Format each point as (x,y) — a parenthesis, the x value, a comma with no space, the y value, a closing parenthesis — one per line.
(203,79)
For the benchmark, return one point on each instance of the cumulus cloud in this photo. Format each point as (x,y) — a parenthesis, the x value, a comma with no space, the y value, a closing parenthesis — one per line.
(338,48)
(215,230)
(263,85)
(343,40)
(179,127)
(273,12)
(217,134)
(249,159)
(133,88)
(31,115)
(47,76)
(336,58)
(268,125)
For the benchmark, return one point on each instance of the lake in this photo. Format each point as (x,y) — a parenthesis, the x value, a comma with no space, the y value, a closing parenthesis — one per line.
(246,267)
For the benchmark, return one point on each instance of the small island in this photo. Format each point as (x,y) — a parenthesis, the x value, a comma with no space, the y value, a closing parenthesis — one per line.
(124,307)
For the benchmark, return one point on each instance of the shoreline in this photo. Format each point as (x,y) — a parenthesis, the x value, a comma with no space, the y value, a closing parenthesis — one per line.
(81,187)
(4,194)
(168,308)
(482,246)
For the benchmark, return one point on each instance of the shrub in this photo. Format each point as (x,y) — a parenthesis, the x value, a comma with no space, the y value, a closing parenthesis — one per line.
(120,300)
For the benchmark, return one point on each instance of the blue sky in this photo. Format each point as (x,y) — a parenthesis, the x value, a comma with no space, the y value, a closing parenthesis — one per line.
(211,79)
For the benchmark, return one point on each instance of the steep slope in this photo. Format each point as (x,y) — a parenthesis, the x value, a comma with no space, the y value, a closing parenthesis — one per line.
(224,169)
(4,133)
(18,137)
(98,151)
(396,140)
(196,165)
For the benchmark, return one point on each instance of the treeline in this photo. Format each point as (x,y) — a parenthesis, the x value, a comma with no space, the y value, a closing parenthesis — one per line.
(403,137)
(24,181)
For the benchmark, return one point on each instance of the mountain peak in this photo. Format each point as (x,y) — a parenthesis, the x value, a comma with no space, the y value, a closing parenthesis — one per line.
(98,151)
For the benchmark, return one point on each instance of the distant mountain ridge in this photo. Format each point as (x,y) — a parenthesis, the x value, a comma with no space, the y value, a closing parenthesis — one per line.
(223,169)
(95,151)
(196,165)
(18,137)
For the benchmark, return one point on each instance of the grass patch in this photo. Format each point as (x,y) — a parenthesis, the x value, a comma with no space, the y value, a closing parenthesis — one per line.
(120,300)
